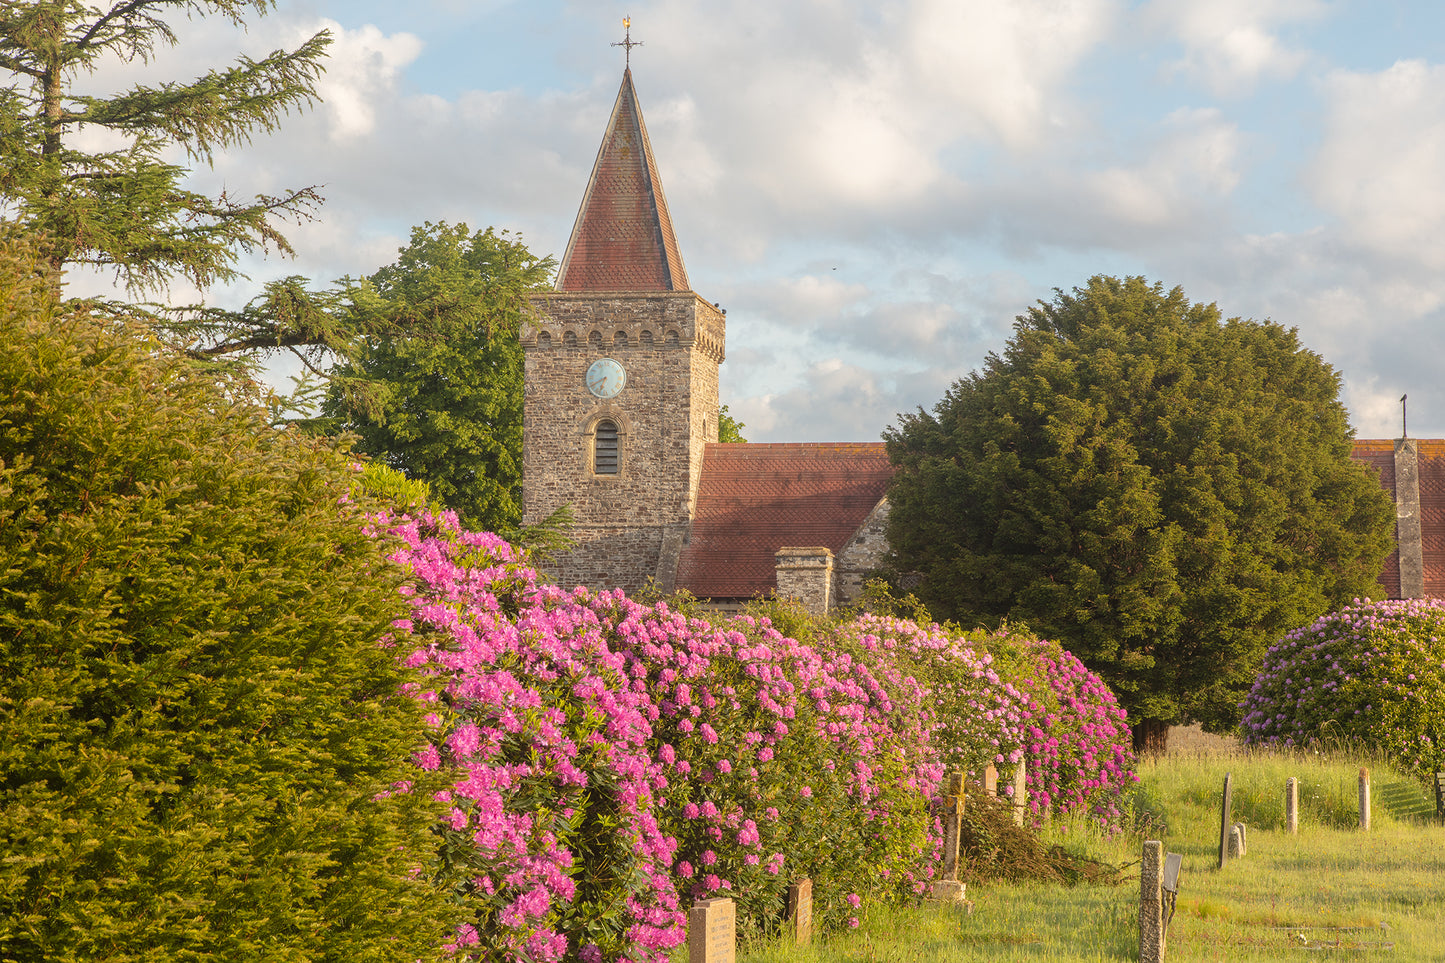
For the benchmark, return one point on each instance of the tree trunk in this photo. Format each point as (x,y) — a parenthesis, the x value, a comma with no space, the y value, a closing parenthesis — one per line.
(1151,737)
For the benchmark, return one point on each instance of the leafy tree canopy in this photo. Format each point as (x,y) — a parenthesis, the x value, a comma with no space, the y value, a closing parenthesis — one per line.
(200,729)
(440,399)
(1163,491)
(729,429)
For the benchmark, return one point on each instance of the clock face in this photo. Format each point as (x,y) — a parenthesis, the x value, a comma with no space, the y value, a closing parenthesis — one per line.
(605,378)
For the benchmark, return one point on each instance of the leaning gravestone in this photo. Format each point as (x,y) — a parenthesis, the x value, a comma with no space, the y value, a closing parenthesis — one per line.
(800,911)
(712,932)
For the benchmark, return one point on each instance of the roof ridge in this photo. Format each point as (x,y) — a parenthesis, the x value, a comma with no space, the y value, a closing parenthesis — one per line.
(623,238)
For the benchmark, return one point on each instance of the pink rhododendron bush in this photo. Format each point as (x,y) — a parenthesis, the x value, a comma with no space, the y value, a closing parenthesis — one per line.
(1373,672)
(1007,696)
(617,762)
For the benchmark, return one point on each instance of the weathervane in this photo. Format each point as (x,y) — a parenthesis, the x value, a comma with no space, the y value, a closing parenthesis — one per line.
(1404,418)
(627,41)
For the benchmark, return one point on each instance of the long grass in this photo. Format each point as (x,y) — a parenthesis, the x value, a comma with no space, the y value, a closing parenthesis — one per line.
(1331,888)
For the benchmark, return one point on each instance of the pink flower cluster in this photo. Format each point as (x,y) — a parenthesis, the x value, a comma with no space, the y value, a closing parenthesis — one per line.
(1372,672)
(614,760)
(1004,697)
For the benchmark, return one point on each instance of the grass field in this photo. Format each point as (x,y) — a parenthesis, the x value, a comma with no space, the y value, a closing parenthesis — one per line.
(1331,889)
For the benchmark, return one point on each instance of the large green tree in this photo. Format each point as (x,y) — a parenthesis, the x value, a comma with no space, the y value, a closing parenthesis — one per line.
(202,726)
(1164,491)
(440,398)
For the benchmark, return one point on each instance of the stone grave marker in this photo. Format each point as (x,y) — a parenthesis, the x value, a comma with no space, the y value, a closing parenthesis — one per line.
(1237,840)
(990,780)
(800,911)
(712,931)
(947,887)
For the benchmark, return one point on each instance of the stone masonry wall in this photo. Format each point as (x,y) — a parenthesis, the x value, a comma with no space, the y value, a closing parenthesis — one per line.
(629,526)
(863,554)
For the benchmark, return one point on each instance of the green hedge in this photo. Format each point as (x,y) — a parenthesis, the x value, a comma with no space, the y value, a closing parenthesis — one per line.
(199,730)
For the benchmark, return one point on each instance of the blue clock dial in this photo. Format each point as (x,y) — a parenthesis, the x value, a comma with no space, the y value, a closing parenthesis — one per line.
(606,377)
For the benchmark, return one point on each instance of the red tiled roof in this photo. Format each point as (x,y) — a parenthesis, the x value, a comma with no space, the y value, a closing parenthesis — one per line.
(623,238)
(754,499)
(1381,454)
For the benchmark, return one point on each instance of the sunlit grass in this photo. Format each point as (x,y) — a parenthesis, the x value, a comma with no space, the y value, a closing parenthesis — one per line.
(1381,892)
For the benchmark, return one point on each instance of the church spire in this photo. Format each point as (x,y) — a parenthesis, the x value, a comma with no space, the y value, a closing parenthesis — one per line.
(623,239)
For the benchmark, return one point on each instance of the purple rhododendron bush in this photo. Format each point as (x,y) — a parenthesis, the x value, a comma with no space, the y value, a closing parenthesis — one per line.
(1373,673)
(617,762)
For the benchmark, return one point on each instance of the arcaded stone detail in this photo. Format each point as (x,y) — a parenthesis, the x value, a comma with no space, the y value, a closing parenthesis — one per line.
(630,526)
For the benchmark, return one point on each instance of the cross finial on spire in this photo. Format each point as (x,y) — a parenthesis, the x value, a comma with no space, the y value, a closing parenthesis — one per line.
(627,41)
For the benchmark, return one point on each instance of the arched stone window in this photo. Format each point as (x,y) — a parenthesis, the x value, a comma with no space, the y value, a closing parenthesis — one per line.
(544,341)
(620,338)
(595,339)
(646,339)
(569,339)
(606,457)
(672,337)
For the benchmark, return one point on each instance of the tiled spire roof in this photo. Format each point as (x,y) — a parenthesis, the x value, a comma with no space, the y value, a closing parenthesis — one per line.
(623,239)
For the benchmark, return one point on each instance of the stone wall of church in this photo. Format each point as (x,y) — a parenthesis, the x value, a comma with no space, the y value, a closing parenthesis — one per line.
(863,554)
(627,523)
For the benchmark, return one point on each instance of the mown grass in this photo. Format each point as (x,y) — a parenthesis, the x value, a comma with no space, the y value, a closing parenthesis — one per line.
(1380,893)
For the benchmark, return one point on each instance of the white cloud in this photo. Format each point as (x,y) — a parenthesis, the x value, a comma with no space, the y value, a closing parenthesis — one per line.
(1379,167)
(1229,45)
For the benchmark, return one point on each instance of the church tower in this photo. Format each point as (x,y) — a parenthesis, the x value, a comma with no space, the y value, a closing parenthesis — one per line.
(621,376)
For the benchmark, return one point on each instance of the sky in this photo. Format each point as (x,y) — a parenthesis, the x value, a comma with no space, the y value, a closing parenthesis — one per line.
(876,190)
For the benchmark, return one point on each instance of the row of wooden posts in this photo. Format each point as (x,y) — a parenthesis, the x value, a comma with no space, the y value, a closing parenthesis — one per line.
(712,923)
(1159,872)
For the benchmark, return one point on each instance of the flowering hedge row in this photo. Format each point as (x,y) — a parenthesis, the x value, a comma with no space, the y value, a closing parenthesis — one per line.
(1373,672)
(618,761)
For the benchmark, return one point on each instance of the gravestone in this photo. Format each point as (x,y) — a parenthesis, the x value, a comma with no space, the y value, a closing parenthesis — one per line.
(1291,805)
(947,887)
(1236,840)
(1365,799)
(990,780)
(712,932)
(1151,903)
(800,911)
(1224,825)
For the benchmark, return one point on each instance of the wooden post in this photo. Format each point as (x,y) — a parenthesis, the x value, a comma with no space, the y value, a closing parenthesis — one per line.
(800,911)
(1224,820)
(1365,799)
(712,935)
(1021,793)
(1291,805)
(1440,796)
(1151,903)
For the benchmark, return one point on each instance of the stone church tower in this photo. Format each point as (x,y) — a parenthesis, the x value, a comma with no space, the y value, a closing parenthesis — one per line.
(621,376)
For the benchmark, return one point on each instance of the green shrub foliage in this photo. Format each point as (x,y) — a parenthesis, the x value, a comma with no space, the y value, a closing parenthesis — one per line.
(1372,673)
(200,735)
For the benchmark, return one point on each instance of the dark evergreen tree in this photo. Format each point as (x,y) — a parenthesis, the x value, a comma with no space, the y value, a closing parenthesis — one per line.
(201,731)
(443,393)
(1162,491)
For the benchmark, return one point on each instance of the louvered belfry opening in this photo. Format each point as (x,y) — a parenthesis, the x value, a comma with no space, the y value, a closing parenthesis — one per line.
(605,458)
